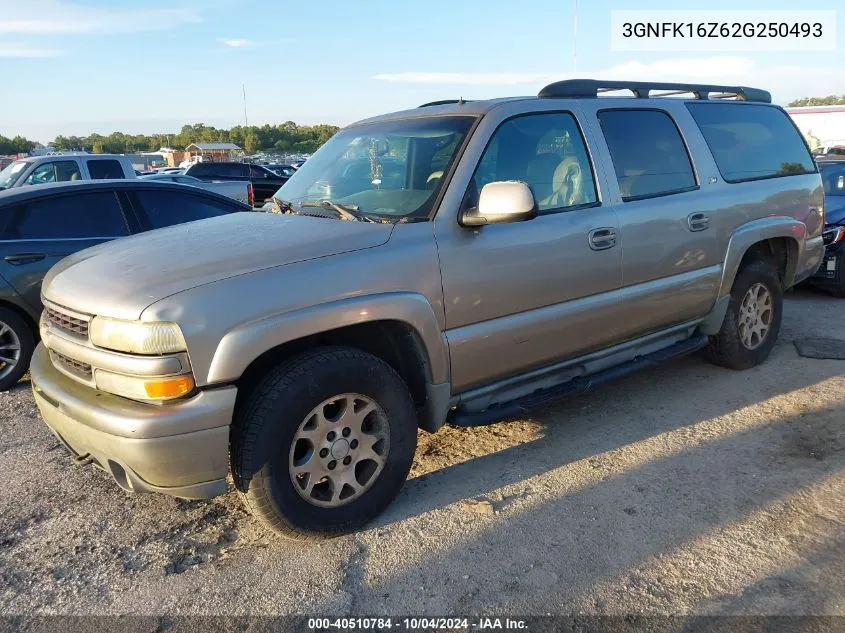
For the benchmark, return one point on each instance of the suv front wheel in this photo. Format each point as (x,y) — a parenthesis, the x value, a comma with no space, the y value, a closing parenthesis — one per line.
(324,443)
(752,322)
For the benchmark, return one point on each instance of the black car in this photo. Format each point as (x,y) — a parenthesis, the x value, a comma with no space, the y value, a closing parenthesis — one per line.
(831,274)
(41,225)
(264,182)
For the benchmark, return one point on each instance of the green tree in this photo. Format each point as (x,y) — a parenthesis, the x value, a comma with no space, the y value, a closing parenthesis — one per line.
(817,101)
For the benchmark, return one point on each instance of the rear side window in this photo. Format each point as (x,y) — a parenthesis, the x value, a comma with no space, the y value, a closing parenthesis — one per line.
(261,172)
(648,153)
(201,169)
(166,208)
(749,142)
(87,215)
(104,169)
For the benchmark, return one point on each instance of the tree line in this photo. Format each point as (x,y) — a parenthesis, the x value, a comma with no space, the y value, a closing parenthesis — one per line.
(286,137)
(17,145)
(817,101)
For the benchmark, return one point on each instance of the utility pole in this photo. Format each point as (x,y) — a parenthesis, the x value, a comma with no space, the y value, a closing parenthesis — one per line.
(246,120)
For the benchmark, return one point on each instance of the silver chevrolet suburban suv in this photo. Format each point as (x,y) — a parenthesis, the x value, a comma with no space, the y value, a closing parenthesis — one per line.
(459,262)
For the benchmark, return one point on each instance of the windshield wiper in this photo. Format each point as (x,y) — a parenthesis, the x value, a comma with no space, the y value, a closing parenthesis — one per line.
(346,211)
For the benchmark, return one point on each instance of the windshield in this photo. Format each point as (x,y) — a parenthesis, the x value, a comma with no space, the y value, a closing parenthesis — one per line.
(833,176)
(10,174)
(392,169)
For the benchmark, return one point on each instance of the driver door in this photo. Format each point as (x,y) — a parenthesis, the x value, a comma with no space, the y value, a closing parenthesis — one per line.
(523,295)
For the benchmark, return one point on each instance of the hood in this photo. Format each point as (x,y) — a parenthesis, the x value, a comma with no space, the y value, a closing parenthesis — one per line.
(123,277)
(834,209)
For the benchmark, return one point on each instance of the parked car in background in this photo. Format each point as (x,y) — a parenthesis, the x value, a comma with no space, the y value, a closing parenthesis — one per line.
(170,170)
(282,170)
(41,225)
(831,274)
(240,190)
(490,278)
(832,152)
(264,182)
(40,170)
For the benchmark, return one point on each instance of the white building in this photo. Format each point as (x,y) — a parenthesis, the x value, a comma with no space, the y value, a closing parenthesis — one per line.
(821,125)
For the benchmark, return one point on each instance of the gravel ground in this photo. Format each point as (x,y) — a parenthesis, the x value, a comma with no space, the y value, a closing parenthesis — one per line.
(686,489)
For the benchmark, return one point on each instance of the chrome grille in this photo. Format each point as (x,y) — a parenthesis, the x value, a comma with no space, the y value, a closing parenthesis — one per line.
(76,367)
(67,323)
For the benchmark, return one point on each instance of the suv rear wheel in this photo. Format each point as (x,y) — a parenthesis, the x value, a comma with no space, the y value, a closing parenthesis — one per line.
(752,322)
(16,346)
(324,443)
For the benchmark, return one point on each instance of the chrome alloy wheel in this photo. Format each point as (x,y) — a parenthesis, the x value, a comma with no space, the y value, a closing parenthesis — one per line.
(339,450)
(755,316)
(10,350)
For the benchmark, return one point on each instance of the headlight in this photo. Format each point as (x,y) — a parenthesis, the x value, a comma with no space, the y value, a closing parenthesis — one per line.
(136,337)
(833,235)
(143,387)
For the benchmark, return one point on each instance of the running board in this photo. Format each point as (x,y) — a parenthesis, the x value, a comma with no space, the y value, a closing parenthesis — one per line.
(576,386)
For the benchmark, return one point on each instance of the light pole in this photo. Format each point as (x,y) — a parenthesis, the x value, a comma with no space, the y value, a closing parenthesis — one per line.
(575,36)
(246,120)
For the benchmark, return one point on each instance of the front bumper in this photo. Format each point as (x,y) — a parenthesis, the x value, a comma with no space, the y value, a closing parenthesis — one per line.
(826,273)
(180,449)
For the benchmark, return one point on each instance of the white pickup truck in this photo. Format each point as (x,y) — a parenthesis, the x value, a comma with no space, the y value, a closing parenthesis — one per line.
(39,170)
(240,190)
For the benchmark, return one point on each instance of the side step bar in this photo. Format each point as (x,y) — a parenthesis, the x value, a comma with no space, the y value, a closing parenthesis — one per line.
(577,386)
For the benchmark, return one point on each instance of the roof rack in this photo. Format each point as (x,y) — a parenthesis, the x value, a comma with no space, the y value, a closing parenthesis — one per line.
(574,88)
(443,102)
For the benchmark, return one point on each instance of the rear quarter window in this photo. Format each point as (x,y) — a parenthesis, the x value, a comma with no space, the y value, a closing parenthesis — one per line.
(751,142)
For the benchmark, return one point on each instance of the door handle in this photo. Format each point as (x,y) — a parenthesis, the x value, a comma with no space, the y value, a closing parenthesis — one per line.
(24,258)
(698,221)
(602,239)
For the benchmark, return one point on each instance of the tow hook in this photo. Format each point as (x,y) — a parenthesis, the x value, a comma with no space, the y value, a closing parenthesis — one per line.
(83,460)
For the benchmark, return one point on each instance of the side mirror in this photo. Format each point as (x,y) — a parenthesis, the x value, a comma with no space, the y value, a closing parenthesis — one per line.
(501,203)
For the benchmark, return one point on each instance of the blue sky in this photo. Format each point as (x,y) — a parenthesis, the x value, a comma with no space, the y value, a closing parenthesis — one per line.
(75,67)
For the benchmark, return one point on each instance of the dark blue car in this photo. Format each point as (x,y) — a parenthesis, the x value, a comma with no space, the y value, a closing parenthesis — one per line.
(41,225)
(831,274)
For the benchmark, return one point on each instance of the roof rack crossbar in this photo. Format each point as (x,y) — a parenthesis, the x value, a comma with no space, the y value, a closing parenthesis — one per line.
(586,88)
(443,102)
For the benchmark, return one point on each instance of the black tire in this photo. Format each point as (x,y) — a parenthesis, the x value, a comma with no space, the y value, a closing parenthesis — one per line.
(726,347)
(23,333)
(267,422)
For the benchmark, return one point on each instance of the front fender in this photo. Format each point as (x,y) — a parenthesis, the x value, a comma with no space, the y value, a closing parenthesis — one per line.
(242,345)
(749,234)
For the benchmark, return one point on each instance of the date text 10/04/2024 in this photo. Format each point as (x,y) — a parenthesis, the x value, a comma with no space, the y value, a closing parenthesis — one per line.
(417,624)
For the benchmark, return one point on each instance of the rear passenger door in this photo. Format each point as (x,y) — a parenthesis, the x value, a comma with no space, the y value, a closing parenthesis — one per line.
(35,235)
(671,266)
